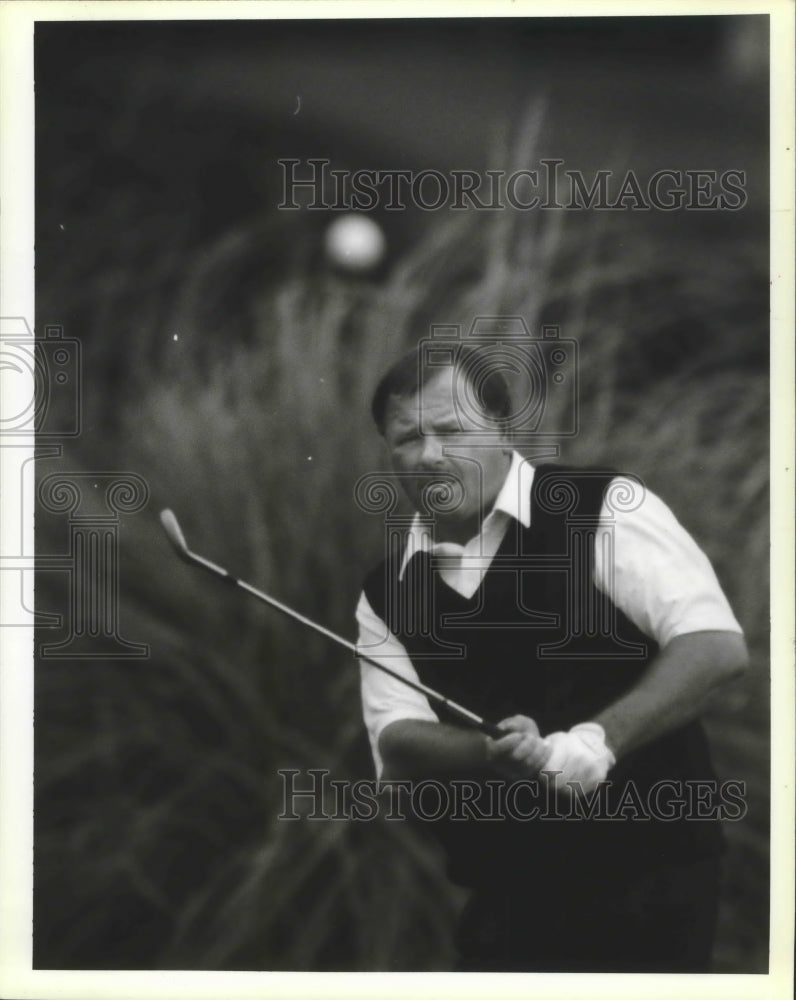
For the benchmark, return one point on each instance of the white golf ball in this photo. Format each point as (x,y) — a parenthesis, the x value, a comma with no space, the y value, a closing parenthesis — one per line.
(355,242)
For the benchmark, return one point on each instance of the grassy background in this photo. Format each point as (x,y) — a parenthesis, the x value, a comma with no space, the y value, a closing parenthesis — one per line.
(231,368)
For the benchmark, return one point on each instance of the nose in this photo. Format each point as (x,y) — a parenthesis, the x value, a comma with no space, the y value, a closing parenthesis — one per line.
(431,453)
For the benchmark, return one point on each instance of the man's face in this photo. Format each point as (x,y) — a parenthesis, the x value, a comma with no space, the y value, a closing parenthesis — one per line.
(441,445)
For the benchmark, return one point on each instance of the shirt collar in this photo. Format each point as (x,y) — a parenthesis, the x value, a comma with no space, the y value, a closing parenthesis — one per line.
(513,499)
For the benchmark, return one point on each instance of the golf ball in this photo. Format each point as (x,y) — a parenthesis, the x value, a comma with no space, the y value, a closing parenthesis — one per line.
(354,242)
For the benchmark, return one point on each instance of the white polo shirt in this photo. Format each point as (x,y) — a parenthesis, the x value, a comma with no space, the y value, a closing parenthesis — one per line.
(657,575)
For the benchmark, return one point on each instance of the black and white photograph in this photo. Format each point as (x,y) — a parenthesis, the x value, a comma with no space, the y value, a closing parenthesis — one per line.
(387,498)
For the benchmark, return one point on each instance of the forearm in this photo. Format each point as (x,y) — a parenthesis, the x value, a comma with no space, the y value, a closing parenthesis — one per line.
(413,749)
(674,690)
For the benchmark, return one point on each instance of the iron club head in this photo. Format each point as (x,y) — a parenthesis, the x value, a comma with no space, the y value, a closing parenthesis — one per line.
(173,531)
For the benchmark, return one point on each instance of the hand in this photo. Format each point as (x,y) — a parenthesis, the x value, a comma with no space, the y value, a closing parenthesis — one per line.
(521,753)
(581,755)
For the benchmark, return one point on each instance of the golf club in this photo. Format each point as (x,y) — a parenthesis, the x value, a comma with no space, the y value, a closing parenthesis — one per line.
(174,533)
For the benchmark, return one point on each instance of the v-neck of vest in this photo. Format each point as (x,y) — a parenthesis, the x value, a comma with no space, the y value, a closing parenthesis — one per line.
(513,533)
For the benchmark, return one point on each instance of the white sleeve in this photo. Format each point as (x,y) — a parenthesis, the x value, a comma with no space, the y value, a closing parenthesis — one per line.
(385,699)
(654,571)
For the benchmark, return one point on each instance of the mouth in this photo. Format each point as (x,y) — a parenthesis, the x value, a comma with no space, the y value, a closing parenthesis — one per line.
(442,495)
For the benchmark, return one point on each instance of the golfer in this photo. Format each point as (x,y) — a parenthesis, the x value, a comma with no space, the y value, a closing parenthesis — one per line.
(570,605)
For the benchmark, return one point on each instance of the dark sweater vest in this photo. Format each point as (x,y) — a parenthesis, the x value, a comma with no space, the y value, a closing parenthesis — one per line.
(539,639)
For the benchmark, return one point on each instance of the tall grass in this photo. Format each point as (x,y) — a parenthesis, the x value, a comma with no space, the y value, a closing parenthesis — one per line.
(244,405)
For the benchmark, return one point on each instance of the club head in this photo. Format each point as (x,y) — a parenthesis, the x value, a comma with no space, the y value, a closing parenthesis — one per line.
(173,532)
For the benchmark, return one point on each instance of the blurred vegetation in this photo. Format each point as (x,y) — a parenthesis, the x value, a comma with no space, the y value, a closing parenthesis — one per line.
(229,366)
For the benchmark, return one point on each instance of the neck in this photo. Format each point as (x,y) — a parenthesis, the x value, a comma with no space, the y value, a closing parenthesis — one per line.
(459,532)
(461,529)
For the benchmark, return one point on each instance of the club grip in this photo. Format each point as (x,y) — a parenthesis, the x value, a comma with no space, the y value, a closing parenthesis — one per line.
(491,730)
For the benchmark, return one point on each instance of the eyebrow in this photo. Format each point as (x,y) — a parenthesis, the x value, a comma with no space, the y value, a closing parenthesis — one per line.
(448,421)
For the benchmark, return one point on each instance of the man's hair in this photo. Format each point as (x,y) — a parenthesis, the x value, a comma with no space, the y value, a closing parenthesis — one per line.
(412,371)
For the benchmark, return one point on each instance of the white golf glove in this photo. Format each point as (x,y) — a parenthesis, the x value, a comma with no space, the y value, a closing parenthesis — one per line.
(580,755)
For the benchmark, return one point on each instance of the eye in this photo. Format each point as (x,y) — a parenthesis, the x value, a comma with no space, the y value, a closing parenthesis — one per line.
(405,439)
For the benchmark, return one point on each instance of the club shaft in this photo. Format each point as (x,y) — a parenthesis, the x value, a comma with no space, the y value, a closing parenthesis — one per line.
(461,713)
